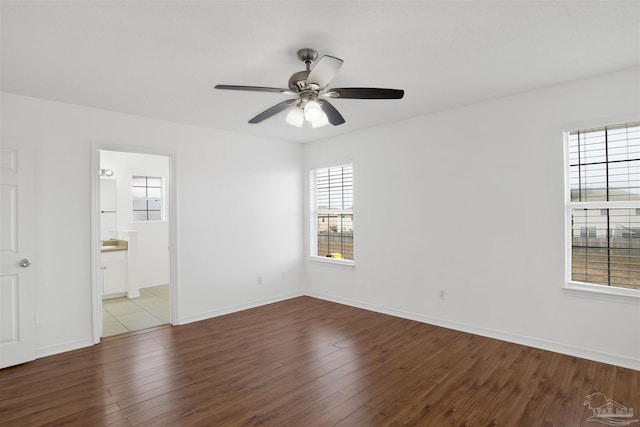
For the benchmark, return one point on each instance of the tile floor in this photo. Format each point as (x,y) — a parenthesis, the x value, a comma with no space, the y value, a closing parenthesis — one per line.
(120,315)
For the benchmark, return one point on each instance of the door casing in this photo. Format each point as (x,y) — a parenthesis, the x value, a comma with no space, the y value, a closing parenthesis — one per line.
(96,291)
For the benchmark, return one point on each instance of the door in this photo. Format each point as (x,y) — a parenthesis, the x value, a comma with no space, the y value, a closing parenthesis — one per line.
(17,275)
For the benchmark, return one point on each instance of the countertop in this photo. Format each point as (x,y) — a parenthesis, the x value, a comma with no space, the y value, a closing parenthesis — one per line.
(114,245)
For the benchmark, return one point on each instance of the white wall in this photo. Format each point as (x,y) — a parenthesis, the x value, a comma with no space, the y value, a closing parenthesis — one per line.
(475,195)
(471,201)
(152,238)
(238,213)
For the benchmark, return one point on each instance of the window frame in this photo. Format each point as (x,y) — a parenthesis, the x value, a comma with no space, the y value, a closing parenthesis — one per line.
(569,283)
(314,213)
(147,198)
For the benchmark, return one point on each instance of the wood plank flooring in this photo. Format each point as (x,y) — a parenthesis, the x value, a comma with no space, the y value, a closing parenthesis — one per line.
(308,362)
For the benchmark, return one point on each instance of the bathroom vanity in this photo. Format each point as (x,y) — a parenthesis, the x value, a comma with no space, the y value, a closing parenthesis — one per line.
(114,268)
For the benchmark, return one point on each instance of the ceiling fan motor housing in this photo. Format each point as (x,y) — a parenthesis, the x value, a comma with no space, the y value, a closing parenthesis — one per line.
(298,81)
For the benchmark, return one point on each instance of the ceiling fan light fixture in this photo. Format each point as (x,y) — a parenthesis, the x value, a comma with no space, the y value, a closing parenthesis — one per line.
(307,85)
(312,111)
(295,117)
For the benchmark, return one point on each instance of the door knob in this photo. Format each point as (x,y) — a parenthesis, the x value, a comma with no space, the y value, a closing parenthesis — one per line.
(25,263)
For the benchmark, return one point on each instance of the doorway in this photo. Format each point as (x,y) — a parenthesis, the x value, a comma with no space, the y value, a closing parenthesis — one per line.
(133,231)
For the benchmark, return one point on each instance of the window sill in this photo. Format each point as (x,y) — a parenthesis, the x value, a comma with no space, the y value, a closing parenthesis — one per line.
(334,261)
(604,291)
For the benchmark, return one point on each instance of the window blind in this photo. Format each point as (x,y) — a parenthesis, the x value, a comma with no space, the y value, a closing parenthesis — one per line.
(333,213)
(605,163)
(604,179)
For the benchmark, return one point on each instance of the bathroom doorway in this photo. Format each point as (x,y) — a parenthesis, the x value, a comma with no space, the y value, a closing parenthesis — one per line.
(134,210)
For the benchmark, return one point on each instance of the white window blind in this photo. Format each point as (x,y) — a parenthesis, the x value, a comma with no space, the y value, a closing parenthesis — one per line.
(604,180)
(332,212)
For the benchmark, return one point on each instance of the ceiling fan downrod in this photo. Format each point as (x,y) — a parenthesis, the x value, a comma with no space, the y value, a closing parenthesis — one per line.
(298,81)
(307,55)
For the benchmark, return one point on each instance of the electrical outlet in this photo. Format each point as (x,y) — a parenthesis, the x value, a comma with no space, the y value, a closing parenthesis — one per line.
(442,294)
(283,275)
(259,280)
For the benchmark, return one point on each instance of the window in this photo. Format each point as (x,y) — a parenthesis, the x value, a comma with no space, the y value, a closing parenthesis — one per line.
(332,213)
(588,231)
(604,181)
(147,198)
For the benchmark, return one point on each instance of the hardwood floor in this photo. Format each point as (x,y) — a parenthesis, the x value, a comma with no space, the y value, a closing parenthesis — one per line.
(308,362)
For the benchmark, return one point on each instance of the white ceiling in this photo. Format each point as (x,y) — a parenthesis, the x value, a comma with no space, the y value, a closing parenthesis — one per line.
(162,59)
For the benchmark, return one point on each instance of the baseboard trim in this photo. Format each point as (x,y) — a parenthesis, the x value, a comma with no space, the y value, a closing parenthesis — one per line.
(75,345)
(238,307)
(557,347)
(63,348)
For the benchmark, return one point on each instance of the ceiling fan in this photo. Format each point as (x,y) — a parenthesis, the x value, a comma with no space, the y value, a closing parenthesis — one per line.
(310,90)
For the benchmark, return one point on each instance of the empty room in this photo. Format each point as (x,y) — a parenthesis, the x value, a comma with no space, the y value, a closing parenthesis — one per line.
(320,213)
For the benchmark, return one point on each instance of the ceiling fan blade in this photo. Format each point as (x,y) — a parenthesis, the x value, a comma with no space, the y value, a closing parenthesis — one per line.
(273,111)
(334,116)
(364,93)
(253,88)
(324,71)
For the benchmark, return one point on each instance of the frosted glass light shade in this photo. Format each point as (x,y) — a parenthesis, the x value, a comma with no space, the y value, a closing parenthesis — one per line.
(295,117)
(312,111)
(322,121)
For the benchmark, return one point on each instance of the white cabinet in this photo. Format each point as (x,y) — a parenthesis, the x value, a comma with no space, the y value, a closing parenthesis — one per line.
(113,266)
(108,195)
(108,215)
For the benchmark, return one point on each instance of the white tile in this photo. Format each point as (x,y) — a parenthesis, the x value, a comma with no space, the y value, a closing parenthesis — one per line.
(137,325)
(124,314)
(123,307)
(150,302)
(131,317)
(114,300)
(161,291)
(110,330)
(110,321)
(161,313)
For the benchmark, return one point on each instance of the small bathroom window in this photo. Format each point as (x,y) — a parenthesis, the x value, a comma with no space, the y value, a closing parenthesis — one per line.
(147,198)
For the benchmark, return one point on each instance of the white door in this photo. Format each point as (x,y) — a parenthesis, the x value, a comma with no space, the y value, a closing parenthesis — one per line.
(17,275)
